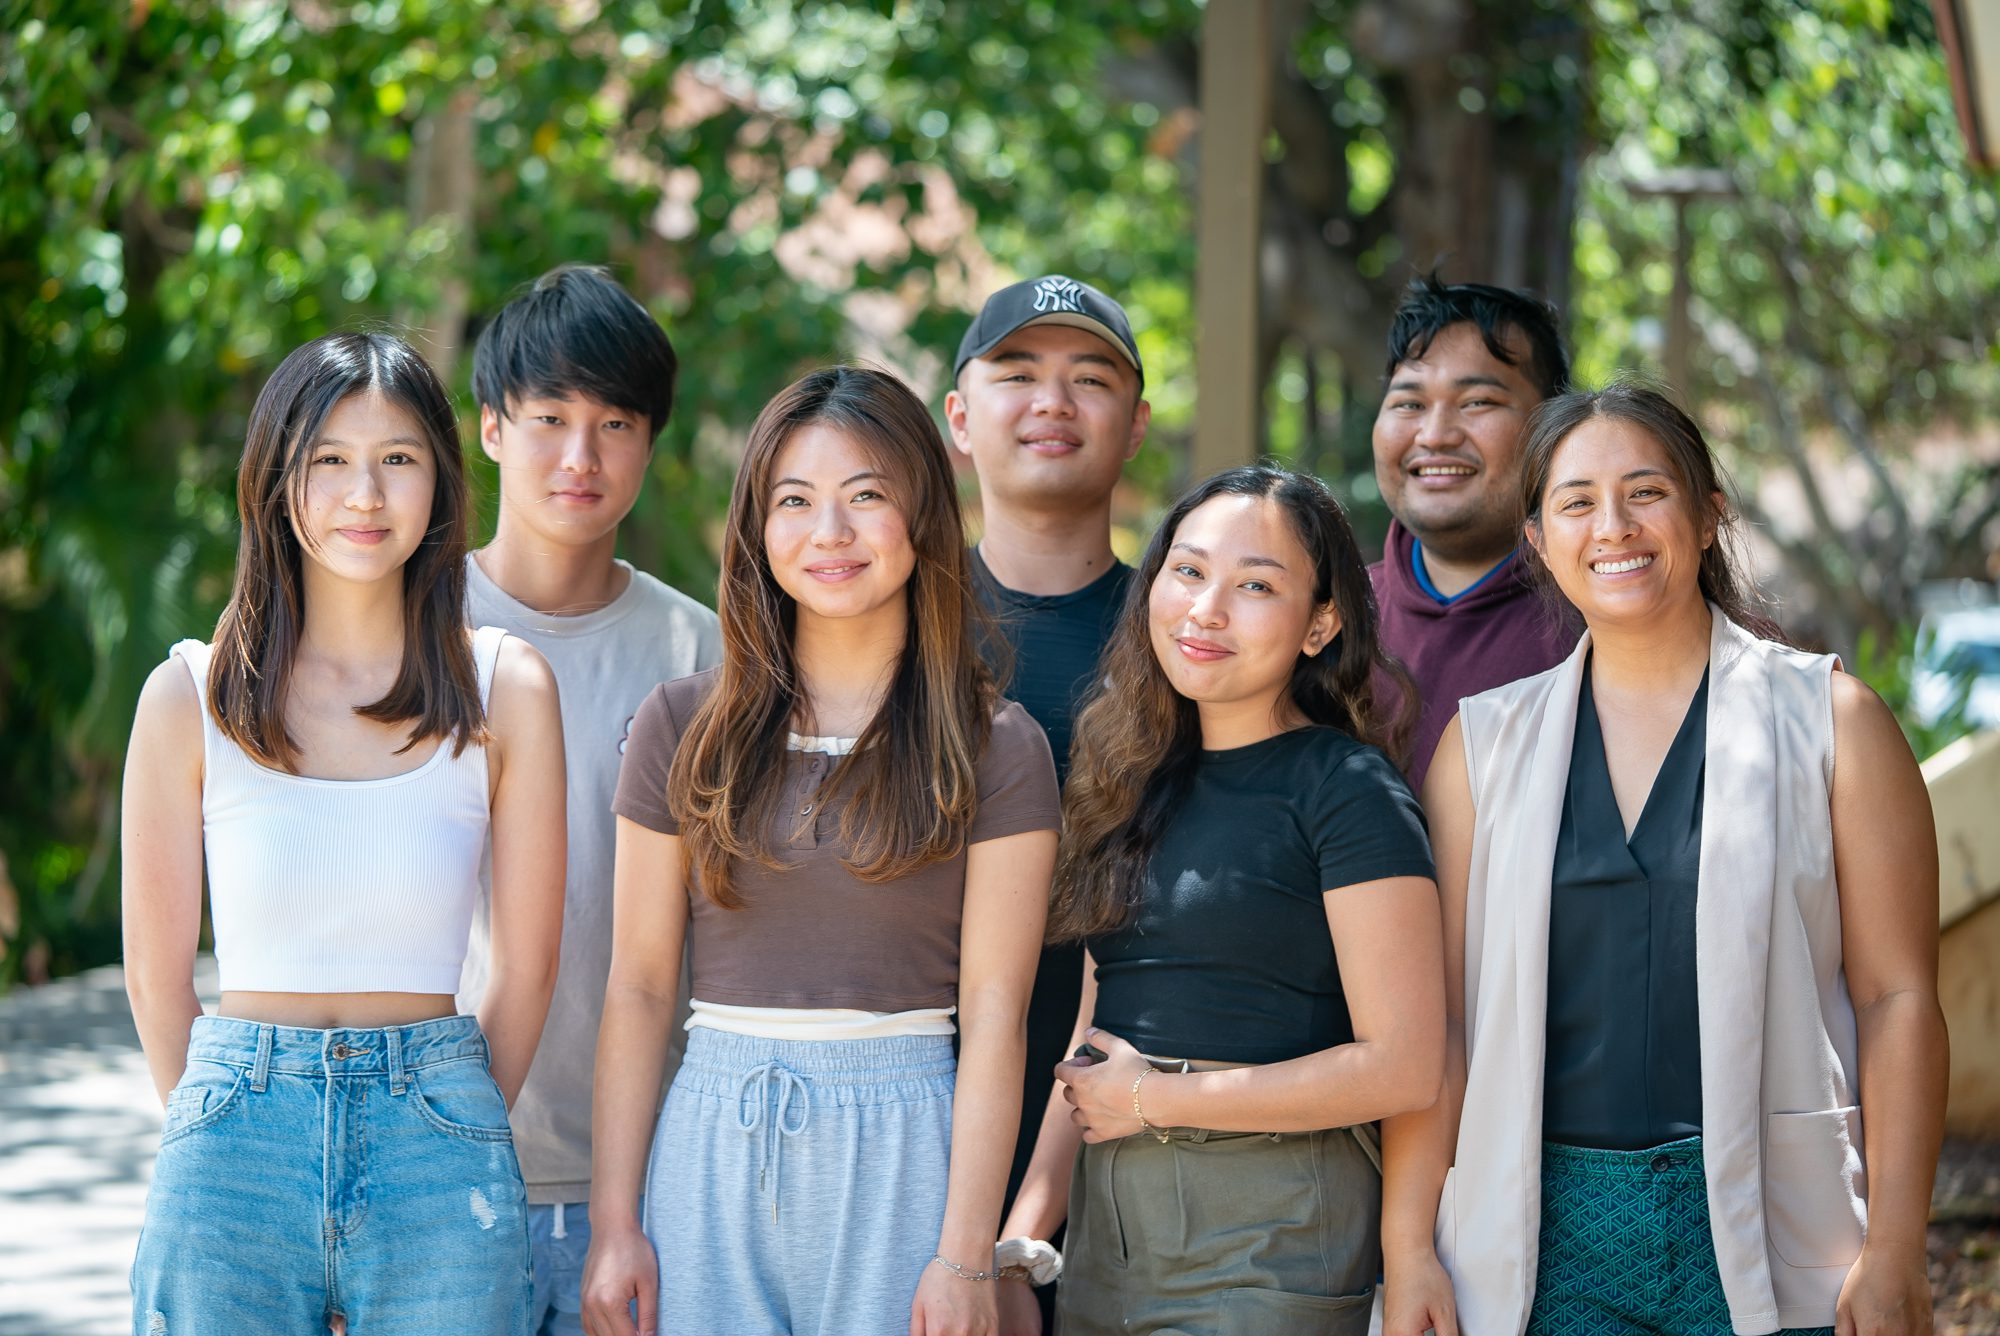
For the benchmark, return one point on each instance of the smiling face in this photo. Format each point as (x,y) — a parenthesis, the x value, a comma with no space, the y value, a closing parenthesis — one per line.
(1232,609)
(1048,417)
(1447,442)
(365,502)
(570,467)
(835,534)
(1619,530)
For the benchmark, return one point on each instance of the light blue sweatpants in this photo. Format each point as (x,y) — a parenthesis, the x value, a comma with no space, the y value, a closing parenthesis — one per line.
(797,1187)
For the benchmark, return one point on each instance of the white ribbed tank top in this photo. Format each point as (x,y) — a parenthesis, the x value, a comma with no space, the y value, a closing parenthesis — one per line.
(341,885)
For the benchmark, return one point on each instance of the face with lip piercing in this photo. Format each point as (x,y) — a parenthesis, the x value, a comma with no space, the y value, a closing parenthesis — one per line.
(1232,609)
(1447,442)
(834,531)
(1619,529)
(368,483)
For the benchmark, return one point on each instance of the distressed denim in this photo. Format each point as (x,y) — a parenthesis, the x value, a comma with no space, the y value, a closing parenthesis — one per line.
(305,1174)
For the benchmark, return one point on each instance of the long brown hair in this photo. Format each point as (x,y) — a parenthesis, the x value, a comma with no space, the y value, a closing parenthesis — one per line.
(1138,739)
(257,640)
(911,779)
(1689,458)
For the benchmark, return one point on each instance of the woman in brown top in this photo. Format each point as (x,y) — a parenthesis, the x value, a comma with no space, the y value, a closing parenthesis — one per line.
(854,836)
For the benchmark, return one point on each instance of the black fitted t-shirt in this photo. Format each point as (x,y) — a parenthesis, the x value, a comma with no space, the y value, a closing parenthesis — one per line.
(1054,642)
(1228,956)
(1048,659)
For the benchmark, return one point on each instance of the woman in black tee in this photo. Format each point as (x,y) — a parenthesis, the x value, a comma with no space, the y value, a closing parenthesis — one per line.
(1253,881)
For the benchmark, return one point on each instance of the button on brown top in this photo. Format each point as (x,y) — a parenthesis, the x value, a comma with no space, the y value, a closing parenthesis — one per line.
(810,933)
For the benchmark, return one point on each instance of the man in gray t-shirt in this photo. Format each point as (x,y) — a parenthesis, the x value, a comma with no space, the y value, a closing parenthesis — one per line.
(574,381)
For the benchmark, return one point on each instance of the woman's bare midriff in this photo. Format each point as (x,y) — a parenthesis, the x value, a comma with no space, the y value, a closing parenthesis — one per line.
(337,1011)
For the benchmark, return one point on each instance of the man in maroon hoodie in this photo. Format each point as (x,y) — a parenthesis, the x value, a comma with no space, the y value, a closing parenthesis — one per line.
(1467,364)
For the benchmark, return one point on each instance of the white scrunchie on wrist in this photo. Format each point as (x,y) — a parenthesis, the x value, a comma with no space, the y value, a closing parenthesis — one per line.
(1041,1259)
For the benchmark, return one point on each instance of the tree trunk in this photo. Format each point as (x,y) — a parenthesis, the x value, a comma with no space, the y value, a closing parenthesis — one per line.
(443,188)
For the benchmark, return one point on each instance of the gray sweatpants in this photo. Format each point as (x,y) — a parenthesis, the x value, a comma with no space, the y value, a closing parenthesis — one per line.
(797,1186)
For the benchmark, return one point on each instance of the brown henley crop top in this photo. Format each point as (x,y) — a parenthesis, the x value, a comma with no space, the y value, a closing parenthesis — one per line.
(811,933)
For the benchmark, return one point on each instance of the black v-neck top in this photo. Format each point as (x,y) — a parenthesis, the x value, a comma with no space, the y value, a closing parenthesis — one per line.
(1623,1070)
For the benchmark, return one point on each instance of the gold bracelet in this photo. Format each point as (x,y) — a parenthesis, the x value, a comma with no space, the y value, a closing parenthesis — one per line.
(1139,1113)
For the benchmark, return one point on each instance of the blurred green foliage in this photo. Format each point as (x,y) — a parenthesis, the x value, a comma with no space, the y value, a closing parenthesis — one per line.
(1846,294)
(188,191)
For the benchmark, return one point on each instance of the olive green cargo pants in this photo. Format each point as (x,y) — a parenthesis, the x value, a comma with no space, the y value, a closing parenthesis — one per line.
(1223,1234)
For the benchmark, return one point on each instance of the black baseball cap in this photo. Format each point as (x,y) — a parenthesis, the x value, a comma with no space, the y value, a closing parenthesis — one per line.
(1054,300)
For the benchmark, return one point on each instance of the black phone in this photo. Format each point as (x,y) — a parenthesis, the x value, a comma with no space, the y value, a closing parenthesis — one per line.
(1088,1053)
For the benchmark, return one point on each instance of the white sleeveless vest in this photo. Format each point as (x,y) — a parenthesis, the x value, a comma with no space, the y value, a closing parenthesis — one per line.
(1781,1126)
(341,886)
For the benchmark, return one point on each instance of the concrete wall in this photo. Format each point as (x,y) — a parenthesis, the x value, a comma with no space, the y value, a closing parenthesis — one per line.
(1969,988)
(1964,782)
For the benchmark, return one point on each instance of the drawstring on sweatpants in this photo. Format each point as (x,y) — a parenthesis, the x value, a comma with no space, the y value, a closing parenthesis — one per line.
(750,1116)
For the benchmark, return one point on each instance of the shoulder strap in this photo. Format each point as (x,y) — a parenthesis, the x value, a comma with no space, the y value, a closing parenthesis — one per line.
(196,655)
(486,654)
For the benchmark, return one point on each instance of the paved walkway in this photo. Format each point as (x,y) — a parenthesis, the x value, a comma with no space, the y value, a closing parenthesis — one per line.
(79,1123)
(78,1126)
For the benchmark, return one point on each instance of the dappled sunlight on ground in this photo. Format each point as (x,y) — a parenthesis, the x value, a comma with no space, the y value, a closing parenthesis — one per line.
(79,1123)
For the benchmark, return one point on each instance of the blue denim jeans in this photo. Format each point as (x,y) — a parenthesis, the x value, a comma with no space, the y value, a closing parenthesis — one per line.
(308,1173)
(559,1237)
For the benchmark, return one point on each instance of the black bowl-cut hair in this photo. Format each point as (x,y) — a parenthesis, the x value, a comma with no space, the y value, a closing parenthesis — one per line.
(1430,306)
(577,332)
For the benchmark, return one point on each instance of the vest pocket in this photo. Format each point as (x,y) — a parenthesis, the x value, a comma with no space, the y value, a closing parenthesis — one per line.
(1815,1186)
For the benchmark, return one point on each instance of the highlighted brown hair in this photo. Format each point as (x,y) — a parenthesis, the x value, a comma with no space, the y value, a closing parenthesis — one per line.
(911,779)
(257,640)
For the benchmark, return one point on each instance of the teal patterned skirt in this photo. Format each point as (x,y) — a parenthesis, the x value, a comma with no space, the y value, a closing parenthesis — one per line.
(1625,1245)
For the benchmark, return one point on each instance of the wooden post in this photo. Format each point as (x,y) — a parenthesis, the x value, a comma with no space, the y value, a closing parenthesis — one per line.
(1235,93)
(1682,186)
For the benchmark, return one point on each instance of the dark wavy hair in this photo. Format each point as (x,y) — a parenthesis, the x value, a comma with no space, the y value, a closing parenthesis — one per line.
(257,640)
(1430,306)
(1691,460)
(1138,739)
(912,775)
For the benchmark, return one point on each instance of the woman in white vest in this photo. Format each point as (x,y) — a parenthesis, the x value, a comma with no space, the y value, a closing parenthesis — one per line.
(1690,885)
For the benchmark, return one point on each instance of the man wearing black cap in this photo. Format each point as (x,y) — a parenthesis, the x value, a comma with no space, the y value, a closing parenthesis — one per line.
(1048,403)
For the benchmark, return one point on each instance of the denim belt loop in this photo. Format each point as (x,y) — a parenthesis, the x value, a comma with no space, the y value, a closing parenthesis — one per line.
(260,1071)
(396,1081)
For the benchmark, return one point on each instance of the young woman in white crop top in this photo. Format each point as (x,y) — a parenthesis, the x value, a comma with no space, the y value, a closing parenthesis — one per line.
(336,1149)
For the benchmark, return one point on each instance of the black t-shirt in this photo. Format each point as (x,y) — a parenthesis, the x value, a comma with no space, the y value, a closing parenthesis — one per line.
(1228,956)
(1055,641)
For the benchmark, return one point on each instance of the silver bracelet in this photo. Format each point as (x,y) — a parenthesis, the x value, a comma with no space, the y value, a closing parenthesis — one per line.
(960,1271)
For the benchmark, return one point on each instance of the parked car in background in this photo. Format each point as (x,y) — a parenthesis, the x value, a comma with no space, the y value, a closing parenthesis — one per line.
(1958,660)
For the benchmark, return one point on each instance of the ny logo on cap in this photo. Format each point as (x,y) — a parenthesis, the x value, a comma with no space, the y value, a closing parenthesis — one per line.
(1058,294)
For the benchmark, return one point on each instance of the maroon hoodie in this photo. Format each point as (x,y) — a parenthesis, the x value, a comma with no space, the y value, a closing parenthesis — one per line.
(1498,631)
